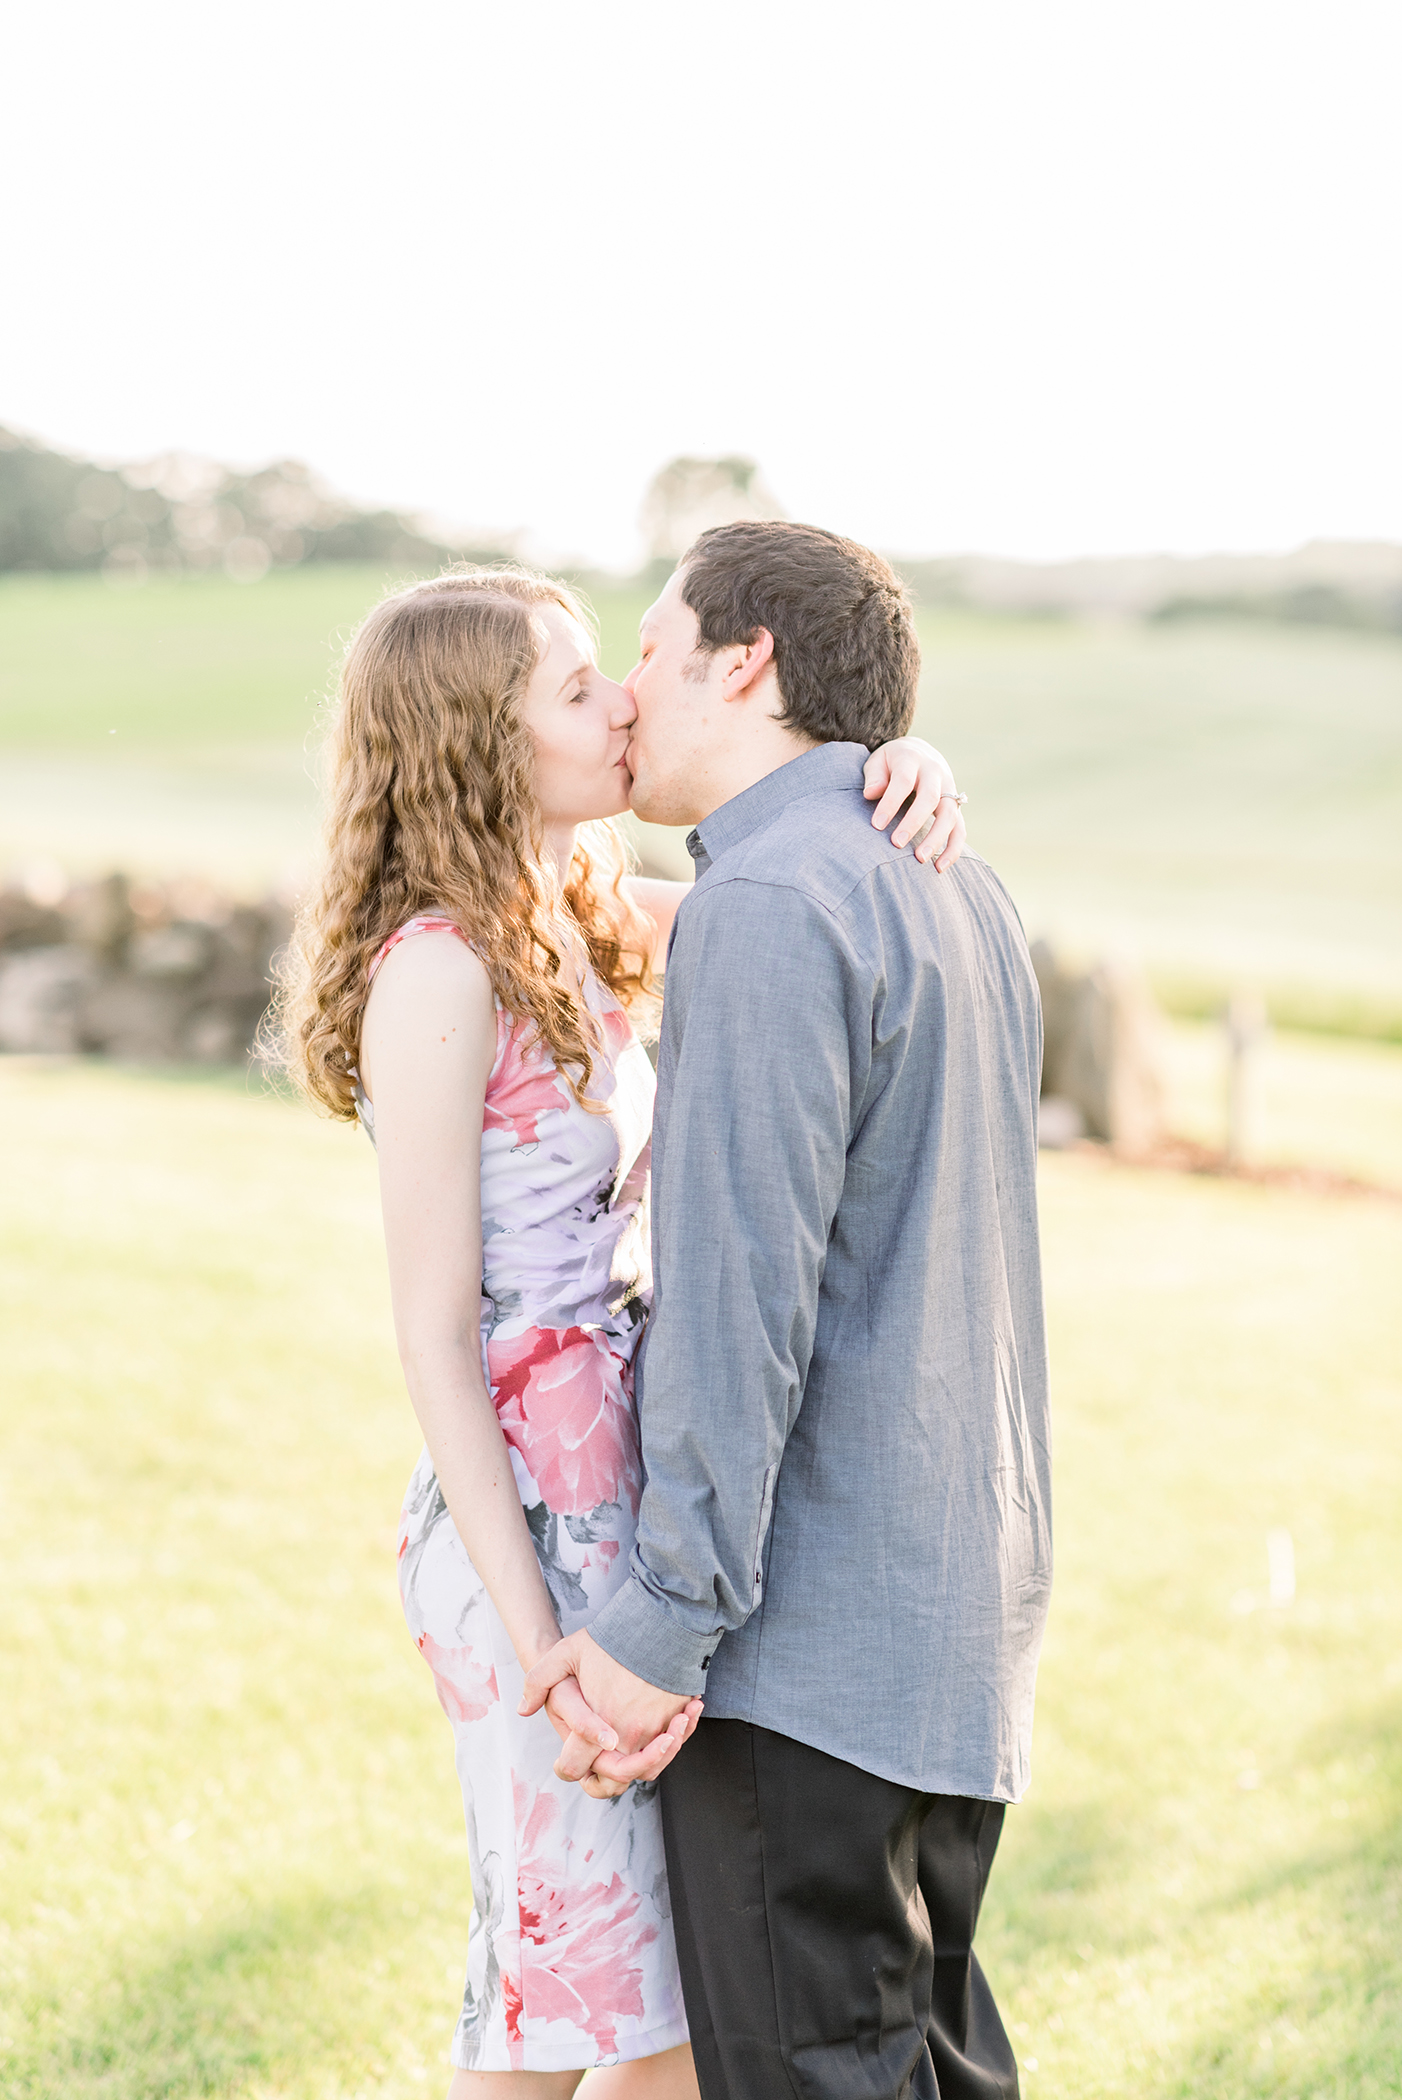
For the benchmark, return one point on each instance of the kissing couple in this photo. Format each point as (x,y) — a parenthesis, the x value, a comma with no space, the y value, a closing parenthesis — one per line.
(729,1547)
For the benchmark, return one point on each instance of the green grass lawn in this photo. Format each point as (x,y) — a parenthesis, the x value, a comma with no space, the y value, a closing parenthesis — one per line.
(179,664)
(231,1855)
(1225,801)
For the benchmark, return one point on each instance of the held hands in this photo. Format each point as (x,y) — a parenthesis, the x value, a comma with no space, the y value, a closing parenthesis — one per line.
(909,766)
(577,1684)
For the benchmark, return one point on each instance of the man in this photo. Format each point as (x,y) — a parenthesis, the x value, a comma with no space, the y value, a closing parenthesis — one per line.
(844,1541)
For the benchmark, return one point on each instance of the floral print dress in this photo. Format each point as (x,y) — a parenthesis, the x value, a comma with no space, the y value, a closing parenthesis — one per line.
(570,1961)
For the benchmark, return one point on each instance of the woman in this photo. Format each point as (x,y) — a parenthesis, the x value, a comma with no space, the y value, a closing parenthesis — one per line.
(467,970)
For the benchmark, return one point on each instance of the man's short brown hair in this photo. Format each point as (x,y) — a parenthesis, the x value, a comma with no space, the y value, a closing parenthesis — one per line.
(845,651)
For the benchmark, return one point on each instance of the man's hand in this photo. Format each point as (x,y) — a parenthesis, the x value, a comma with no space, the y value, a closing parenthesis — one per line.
(586,1738)
(649,1725)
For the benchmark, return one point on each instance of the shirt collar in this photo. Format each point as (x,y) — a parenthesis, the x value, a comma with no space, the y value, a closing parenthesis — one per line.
(816,772)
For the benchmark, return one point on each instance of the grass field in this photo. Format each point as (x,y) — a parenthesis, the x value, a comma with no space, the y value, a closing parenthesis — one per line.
(1226,802)
(233,1862)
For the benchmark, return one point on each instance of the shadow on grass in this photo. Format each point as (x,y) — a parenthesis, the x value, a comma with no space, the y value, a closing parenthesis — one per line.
(286,1996)
(1050,1869)
(1313,2013)
(1332,2031)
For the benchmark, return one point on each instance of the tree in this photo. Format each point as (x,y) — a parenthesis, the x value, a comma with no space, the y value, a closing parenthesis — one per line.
(688,496)
(181,512)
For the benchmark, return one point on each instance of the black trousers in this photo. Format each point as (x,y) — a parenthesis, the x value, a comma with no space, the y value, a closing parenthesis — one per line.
(825,1922)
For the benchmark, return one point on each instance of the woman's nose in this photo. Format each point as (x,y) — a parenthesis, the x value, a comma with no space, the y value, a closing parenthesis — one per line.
(624,711)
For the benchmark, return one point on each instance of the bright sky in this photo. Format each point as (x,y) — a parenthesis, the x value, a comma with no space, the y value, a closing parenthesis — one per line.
(1095,276)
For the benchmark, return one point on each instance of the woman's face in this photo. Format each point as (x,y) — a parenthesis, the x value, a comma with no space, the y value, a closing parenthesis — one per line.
(580,721)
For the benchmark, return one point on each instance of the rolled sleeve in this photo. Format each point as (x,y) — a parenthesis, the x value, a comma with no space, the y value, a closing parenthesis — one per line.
(638,1629)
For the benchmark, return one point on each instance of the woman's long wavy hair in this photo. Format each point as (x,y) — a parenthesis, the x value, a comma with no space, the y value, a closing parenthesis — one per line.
(432,808)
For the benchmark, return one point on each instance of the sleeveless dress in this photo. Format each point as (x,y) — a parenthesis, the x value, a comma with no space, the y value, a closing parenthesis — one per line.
(571,1961)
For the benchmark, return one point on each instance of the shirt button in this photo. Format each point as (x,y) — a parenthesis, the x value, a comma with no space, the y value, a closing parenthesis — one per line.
(705,1662)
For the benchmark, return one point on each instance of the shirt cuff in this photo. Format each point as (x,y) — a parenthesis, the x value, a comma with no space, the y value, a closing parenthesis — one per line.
(641,1632)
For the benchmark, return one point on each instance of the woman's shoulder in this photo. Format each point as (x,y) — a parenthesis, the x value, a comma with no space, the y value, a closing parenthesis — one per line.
(426,966)
(433,952)
(427,992)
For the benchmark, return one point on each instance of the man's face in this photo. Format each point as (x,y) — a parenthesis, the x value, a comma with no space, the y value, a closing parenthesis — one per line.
(676,691)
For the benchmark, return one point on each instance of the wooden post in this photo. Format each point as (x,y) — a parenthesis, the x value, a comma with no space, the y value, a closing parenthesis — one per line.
(1246,1024)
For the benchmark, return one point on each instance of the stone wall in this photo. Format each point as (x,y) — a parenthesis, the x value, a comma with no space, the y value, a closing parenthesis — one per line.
(1101,1064)
(162,972)
(147,972)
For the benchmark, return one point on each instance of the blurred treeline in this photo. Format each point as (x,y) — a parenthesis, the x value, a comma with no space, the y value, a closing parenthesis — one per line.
(1327,583)
(179,512)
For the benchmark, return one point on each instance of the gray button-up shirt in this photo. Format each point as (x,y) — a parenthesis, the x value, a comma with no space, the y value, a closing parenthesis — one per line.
(845,1532)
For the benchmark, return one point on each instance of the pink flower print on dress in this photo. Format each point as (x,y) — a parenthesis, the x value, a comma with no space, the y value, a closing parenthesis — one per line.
(524,1086)
(467,1688)
(565,1401)
(618,1032)
(579,1942)
(514,2006)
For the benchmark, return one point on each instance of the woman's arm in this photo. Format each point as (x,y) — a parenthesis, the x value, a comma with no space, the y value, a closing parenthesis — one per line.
(657,899)
(428,1044)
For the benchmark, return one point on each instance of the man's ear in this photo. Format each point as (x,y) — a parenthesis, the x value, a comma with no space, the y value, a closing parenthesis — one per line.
(742,676)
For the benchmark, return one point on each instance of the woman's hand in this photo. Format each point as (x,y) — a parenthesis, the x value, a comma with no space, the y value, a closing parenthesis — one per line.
(582,1732)
(614,1773)
(907,768)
